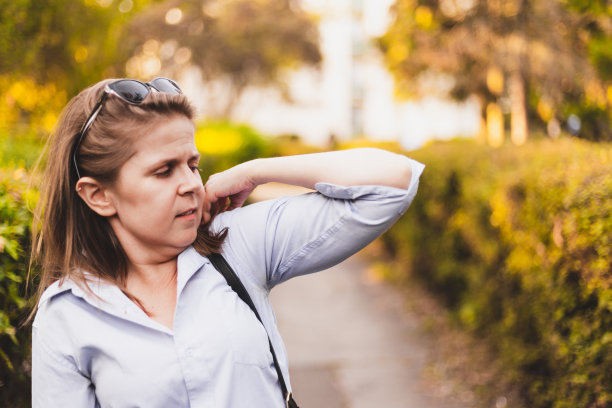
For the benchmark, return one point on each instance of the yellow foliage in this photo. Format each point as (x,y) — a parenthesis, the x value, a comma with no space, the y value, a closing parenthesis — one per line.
(510,8)
(506,8)
(423,17)
(518,243)
(48,120)
(545,110)
(495,125)
(41,103)
(499,211)
(495,80)
(218,141)
(22,93)
(595,94)
(80,54)
(398,52)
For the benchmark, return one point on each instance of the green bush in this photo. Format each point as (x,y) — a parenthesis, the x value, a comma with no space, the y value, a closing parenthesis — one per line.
(224,144)
(15,222)
(19,150)
(517,242)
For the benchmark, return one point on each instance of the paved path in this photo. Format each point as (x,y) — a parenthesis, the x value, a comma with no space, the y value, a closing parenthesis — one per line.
(351,343)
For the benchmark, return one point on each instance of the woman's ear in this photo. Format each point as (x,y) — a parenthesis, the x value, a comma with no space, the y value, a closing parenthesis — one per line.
(96,196)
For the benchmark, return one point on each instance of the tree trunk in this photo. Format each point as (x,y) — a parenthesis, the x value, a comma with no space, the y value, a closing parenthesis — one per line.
(495,125)
(518,111)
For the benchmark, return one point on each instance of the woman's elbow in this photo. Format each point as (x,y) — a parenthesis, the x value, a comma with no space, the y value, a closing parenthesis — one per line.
(406,174)
(401,174)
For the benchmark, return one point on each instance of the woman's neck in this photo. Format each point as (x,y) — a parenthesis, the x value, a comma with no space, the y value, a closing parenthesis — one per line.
(158,275)
(155,288)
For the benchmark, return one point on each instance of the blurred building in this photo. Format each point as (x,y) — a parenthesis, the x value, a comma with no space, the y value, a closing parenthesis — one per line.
(352,95)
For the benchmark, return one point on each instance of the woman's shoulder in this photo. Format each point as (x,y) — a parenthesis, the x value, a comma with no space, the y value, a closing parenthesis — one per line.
(248,215)
(54,300)
(56,288)
(66,297)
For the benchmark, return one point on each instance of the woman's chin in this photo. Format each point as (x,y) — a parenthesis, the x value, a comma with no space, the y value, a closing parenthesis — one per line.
(190,239)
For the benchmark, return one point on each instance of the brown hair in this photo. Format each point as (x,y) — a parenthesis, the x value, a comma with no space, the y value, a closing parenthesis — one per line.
(69,238)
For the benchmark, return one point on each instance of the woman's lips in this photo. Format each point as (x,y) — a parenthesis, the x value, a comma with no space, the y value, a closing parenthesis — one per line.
(187,213)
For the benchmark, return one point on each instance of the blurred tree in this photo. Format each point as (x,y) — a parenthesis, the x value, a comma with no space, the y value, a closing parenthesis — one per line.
(50,50)
(66,41)
(232,42)
(539,59)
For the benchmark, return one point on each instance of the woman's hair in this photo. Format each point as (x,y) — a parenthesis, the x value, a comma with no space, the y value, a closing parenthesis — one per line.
(69,238)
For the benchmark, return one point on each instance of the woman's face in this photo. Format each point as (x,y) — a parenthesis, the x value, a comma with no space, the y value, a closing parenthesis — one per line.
(158,195)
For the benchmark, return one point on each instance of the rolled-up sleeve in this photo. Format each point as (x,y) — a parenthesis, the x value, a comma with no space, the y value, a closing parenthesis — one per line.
(279,239)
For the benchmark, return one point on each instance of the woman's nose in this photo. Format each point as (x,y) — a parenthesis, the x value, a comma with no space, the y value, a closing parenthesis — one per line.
(190,182)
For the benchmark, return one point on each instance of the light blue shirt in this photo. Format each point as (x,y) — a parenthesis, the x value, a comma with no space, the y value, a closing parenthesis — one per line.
(104,351)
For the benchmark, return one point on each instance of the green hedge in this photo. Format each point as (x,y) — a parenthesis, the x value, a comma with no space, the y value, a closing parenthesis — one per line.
(19,149)
(225,144)
(15,222)
(517,242)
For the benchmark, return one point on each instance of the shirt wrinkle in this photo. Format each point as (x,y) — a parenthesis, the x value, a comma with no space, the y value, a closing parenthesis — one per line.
(310,246)
(243,271)
(278,205)
(233,257)
(58,358)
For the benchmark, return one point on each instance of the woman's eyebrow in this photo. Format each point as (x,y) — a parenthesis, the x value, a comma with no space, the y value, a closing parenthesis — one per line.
(172,161)
(162,162)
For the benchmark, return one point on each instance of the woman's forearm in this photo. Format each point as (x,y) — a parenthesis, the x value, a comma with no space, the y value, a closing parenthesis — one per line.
(364,166)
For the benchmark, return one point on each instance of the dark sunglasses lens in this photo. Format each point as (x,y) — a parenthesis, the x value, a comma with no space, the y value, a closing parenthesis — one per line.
(130,90)
(166,85)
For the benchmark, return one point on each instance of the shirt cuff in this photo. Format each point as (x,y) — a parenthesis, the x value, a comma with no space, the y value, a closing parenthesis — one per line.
(353,192)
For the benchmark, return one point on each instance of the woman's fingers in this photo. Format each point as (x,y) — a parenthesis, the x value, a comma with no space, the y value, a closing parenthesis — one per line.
(206,211)
(237,200)
(228,186)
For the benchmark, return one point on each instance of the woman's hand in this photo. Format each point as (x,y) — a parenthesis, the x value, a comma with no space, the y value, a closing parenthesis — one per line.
(229,189)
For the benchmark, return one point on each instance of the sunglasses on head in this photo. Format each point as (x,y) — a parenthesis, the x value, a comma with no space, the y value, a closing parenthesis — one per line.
(131,91)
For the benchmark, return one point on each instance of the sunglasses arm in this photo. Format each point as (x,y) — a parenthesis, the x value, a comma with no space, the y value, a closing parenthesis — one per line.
(85,128)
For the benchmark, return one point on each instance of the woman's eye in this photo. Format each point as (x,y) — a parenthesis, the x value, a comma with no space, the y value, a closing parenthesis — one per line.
(195,169)
(164,172)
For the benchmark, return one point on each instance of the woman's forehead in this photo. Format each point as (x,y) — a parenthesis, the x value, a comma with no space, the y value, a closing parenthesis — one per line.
(168,138)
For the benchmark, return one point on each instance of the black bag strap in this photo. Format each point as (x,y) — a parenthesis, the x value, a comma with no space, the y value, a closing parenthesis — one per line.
(234,282)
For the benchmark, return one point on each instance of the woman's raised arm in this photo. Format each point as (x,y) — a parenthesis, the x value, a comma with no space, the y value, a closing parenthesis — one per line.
(364,166)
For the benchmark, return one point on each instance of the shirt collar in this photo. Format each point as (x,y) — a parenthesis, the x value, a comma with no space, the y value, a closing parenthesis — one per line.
(188,263)
(60,286)
(109,298)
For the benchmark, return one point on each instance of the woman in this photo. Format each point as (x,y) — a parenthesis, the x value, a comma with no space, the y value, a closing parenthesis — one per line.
(131,312)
